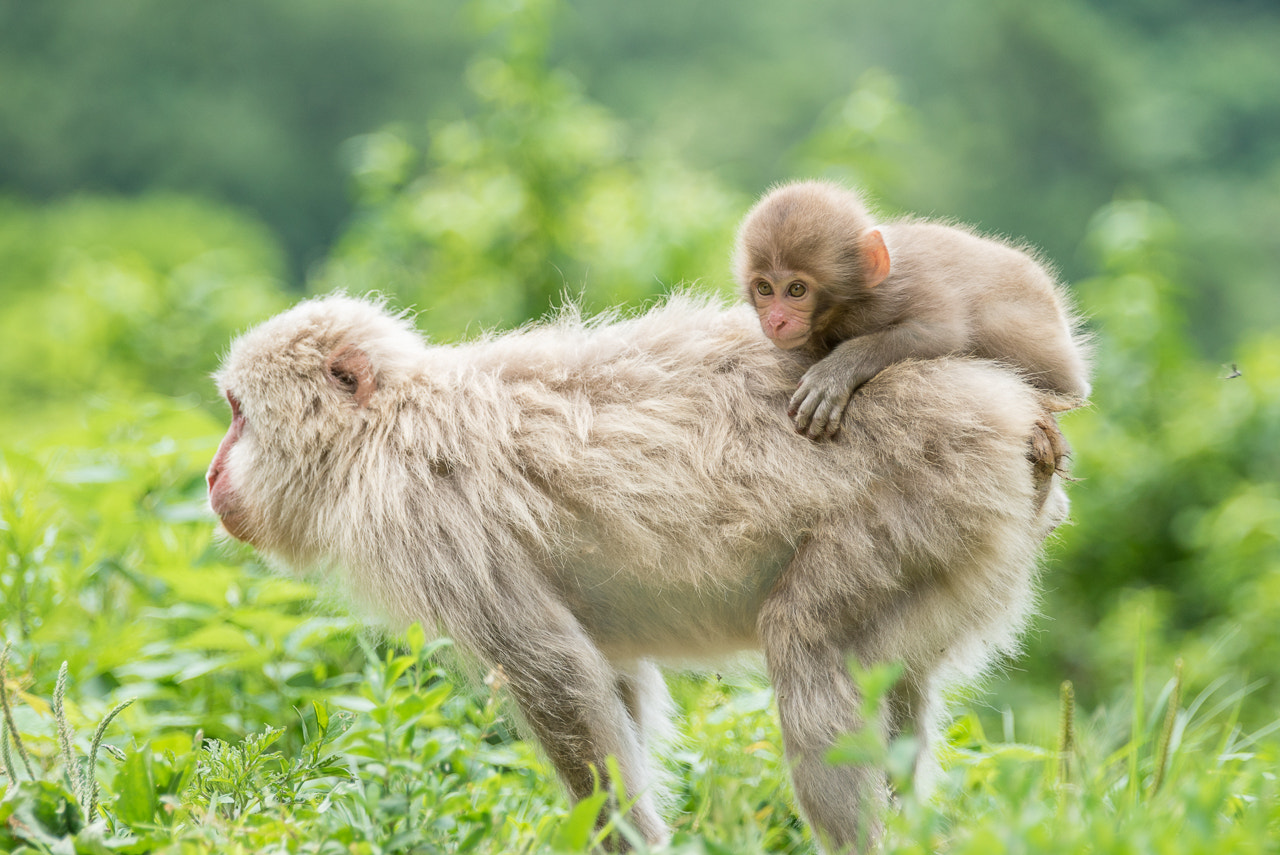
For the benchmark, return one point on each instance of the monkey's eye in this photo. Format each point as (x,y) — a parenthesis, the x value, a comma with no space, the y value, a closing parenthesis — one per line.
(764,289)
(346,381)
(797,289)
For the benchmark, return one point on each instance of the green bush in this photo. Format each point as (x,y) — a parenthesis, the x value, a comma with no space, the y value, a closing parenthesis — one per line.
(117,297)
(1177,511)
(536,195)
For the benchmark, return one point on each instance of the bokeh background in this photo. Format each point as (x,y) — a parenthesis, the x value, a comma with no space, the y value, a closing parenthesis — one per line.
(171,173)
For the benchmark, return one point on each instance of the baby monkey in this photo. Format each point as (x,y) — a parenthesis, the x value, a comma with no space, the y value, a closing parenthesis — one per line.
(857,297)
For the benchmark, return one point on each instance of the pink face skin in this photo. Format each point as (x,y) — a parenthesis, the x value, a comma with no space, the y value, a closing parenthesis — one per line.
(785,303)
(222,497)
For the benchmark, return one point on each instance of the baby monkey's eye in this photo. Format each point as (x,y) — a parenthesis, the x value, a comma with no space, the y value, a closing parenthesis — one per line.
(763,288)
(797,289)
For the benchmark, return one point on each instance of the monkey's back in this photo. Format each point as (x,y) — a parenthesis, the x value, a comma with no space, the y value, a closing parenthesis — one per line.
(1012,305)
(661,451)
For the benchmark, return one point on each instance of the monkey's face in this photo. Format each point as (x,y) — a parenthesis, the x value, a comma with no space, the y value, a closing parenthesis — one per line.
(280,467)
(222,498)
(785,301)
(271,472)
(304,396)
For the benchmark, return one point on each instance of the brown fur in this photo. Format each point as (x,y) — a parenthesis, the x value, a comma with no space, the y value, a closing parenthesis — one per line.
(948,291)
(575,500)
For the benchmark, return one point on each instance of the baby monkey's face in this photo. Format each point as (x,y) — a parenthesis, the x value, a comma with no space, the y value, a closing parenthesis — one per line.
(784,300)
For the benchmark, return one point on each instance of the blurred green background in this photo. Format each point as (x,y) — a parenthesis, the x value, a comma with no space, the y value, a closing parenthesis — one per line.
(171,173)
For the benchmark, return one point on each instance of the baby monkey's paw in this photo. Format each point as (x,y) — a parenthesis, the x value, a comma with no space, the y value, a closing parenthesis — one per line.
(819,403)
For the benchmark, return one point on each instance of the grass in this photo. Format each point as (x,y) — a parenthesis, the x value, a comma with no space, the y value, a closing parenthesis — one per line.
(164,693)
(408,763)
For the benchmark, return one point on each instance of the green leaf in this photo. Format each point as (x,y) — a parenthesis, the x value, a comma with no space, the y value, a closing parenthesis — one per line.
(218,637)
(576,831)
(137,800)
(322,717)
(397,666)
(415,638)
(44,813)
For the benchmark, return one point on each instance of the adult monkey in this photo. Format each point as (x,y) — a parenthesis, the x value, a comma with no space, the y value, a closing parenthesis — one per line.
(577,499)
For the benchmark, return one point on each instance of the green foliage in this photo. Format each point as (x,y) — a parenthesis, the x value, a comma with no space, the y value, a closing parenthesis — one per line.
(123,297)
(1177,514)
(537,194)
(410,765)
(1206,789)
(1030,116)
(243,101)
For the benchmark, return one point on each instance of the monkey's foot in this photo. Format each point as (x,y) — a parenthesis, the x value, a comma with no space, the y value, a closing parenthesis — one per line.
(1048,450)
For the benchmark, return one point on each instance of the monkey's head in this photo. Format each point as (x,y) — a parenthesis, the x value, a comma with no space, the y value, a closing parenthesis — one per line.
(308,390)
(803,255)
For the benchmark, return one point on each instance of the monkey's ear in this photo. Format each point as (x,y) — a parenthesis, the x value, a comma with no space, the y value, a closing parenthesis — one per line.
(876,256)
(350,370)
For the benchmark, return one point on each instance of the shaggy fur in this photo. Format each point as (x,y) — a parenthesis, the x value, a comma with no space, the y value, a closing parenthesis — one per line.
(574,500)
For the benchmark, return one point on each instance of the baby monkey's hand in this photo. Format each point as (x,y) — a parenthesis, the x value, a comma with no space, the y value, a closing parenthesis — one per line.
(819,403)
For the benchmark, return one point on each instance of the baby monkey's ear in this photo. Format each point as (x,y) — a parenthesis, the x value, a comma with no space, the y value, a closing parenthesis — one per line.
(875,255)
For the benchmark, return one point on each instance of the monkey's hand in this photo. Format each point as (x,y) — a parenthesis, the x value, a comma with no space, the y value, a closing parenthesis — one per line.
(820,401)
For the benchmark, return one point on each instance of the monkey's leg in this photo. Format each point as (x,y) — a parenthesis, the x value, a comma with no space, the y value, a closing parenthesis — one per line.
(801,629)
(570,697)
(644,693)
(912,713)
